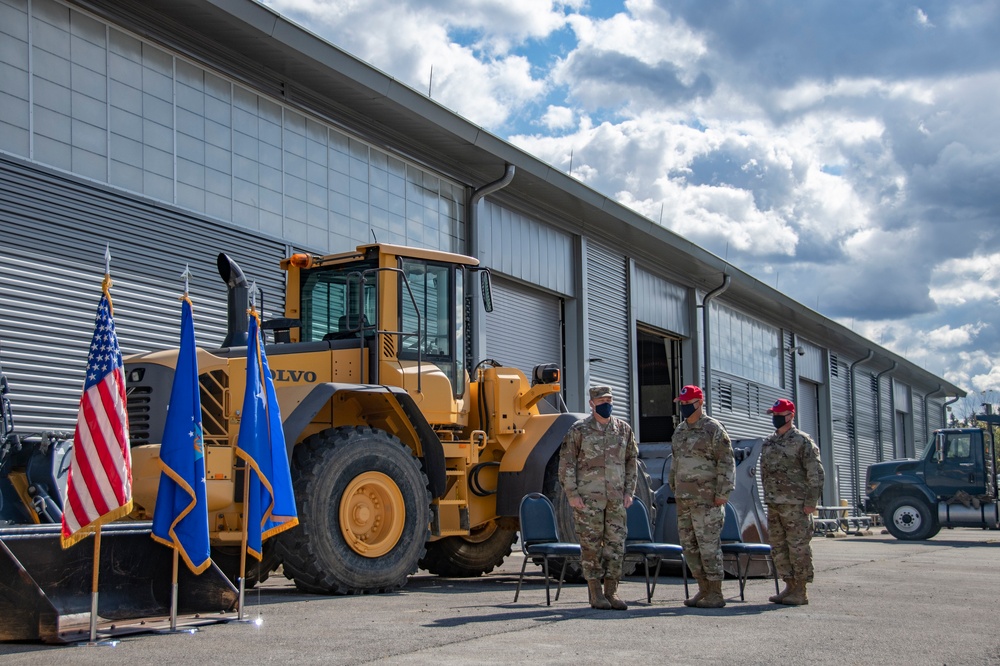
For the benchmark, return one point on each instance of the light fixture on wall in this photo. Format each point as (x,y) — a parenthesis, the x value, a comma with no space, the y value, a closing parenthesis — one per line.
(797,349)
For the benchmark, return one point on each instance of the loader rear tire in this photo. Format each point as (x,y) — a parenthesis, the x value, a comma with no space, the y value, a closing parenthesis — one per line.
(469,556)
(364,513)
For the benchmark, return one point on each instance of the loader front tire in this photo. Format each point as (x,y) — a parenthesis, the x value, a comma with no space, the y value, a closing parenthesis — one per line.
(363,509)
(469,556)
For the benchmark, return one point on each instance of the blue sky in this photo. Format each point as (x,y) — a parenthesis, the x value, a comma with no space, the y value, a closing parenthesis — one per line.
(846,152)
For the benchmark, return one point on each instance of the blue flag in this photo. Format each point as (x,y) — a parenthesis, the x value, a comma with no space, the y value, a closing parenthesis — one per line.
(180,518)
(270,505)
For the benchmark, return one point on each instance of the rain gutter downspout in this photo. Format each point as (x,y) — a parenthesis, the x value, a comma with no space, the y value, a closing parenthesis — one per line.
(878,408)
(474,335)
(927,424)
(707,338)
(944,410)
(855,472)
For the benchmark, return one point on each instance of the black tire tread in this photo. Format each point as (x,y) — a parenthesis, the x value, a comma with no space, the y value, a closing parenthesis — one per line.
(305,561)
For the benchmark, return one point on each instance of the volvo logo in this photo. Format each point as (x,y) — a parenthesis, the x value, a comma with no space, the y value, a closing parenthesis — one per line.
(294,376)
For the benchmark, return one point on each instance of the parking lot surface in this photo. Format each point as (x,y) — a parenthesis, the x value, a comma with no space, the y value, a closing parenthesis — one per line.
(875,601)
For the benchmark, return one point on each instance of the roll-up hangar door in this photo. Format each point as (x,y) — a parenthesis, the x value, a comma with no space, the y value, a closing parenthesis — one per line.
(55,229)
(608,325)
(525,327)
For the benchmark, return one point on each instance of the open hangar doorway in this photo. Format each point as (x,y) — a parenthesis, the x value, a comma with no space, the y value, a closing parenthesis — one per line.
(658,381)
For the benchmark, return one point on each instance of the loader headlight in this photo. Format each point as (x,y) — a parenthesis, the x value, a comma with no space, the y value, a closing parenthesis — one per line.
(546,374)
(872,485)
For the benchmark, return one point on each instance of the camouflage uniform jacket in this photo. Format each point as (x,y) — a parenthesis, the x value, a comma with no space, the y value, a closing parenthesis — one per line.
(598,461)
(703,467)
(790,469)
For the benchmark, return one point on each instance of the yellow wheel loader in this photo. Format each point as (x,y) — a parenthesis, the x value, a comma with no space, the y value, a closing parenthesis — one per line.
(401,456)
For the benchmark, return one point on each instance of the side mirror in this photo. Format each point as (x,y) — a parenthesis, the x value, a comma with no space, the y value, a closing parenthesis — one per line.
(484,281)
(939,447)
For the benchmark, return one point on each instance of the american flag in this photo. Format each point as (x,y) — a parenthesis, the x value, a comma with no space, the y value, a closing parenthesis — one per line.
(99,489)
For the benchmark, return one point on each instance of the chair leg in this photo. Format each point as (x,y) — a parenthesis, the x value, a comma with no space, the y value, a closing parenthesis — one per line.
(562,577)
(684,572)
(520,578)
(656,578)
(774,569)
(742,575)
(545,568)
(645,569)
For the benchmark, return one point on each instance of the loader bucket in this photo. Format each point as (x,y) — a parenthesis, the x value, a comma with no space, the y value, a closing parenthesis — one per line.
(45,591)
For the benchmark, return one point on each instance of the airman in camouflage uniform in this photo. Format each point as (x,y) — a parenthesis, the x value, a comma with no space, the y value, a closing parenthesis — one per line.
(598,471)
(792,475)
(702,475)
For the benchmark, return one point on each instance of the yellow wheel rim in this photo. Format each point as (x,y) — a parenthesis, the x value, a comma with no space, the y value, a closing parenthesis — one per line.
(372,514)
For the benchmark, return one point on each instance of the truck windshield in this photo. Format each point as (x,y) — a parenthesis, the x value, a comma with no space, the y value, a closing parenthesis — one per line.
(334,305)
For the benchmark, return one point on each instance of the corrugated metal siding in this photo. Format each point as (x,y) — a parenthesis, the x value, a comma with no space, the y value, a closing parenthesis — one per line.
(841,415)
(886,423)
(808,410)
(537,318)
(55,229)
(867,426)
(525,249)
(608,325)
(921,434)
(810,364)
(660,303)
(742,405)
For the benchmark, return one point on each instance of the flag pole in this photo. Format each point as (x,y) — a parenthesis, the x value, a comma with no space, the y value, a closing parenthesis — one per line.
(93,585)
(173,602)
(244,539)
(93,642)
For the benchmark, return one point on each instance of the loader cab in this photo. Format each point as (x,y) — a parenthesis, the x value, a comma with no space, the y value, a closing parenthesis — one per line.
(408,302)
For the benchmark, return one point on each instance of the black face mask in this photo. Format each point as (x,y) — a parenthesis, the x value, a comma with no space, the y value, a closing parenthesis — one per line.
(688,410)
(779,420)
(604,409)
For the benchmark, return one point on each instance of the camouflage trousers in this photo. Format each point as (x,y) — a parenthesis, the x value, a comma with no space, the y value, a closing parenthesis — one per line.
(699,528)
(601,531)
(790,532)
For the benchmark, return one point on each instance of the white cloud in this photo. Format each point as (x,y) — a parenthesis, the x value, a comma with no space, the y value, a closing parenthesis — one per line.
(558,117)
(852,155)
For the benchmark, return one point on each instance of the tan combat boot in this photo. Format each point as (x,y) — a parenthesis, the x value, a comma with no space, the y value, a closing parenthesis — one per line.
(611,594)
(597,599)
(713,596)
(776,598)
(699,596)
(797,597)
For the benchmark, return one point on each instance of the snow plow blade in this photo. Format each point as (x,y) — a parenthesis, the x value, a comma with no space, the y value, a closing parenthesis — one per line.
(45,591)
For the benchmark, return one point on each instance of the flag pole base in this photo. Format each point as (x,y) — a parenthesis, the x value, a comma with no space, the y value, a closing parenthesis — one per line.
(111,642)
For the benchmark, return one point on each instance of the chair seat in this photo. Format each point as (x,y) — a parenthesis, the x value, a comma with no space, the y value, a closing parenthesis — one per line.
(747,548)
(554,549)
(654,549)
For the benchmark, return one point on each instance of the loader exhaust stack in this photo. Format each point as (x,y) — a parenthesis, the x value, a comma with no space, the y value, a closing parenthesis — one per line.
(237,301)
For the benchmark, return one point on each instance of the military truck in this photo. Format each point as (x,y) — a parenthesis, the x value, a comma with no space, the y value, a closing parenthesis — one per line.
(952,485)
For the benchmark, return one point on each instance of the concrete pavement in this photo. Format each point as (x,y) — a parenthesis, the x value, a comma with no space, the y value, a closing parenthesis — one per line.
(875,601)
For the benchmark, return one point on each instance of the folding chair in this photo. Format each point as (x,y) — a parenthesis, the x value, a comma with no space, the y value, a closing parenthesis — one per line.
(733,544)
(540,539)
(639,542)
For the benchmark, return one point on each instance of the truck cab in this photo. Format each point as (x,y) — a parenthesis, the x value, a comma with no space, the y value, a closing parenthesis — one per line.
(952,485)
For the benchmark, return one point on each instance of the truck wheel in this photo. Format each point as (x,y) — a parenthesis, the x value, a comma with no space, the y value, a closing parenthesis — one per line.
(469,556)
(553,489)
(910,519)
(364,513)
